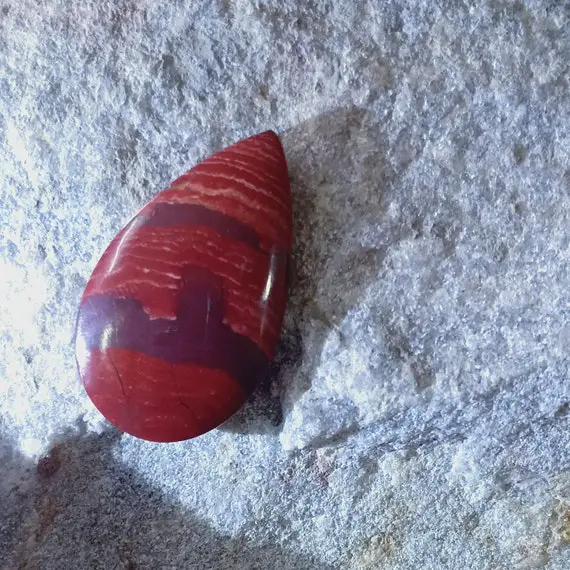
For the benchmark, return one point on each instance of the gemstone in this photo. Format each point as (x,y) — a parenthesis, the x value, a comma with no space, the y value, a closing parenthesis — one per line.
(183,311)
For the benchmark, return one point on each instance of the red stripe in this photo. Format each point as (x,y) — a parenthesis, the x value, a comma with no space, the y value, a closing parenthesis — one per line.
(243,165)
(159,401)
(228,173)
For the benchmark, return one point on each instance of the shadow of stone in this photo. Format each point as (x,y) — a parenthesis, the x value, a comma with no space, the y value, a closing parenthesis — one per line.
(338,172)
(79,508)
(262,413)
(16,474)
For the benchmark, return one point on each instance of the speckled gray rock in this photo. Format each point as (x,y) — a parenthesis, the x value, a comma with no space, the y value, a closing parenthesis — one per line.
(417,414)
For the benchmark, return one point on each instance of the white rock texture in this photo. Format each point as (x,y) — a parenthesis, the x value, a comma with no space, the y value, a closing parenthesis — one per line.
(417,416)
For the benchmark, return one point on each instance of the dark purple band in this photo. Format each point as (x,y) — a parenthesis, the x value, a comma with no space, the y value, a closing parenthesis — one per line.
(193,215)
(197,336)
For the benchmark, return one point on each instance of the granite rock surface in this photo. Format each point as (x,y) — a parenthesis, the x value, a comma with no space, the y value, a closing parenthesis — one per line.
(417,415)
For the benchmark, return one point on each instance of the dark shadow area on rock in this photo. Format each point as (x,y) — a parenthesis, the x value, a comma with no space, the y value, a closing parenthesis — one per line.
(262,413)
(338,172)
(79,508)
(16,474)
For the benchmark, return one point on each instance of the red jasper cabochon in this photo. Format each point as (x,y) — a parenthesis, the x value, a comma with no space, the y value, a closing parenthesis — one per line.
(183,312)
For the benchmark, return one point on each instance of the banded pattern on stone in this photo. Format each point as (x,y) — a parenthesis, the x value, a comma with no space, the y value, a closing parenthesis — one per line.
(184,309)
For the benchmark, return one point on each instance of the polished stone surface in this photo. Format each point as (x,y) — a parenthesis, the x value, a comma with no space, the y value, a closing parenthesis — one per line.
(182,314)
